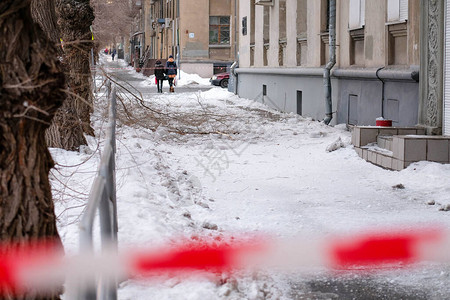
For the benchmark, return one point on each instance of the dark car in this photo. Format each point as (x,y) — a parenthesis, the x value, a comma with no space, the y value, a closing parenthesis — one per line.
(220,79)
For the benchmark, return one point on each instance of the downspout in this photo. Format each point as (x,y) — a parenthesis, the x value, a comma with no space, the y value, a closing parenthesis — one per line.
(233,72)
(178,50)
(236,56)
(162,43)
(236,32)
(330,64)
(382,91)
(178,40)
(161,13)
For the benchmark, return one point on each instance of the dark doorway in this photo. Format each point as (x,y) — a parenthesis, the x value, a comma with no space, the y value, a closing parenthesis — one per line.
(353,109)
(299,103)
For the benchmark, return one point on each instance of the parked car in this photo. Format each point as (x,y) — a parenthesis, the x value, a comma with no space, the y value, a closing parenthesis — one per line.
(220,79)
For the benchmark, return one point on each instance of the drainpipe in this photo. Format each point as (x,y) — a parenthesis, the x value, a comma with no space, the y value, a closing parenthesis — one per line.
(382,91)
(233,73)
(236,32)
(178,40)
(330,64)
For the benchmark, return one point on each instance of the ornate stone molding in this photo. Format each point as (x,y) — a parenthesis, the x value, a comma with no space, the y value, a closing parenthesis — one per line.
(433,52)
(431,77)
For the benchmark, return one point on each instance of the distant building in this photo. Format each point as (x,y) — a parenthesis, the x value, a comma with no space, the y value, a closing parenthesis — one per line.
(285,45)
(201,34)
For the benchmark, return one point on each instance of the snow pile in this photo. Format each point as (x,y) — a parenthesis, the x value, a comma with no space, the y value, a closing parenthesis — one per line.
(191,79)
(185,80)
(335,145)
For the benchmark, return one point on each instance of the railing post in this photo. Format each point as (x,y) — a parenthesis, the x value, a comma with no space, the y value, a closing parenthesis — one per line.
(108,89)
(93,69)
(103,198)
(113,114)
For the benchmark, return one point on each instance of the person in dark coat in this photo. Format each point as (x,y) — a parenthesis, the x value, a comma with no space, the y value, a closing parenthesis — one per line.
(113,53)
(159,75)
(171,71)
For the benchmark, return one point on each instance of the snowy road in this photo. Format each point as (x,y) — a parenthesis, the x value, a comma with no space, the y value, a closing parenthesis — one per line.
(211,164)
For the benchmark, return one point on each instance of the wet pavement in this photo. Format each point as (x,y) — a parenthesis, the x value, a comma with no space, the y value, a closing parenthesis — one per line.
(356,289)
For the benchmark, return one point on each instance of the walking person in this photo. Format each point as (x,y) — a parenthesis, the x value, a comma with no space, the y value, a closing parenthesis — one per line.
(113,53)
(159,75)
(171,71)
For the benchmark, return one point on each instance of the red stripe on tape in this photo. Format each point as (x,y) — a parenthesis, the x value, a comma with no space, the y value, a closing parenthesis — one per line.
(20,257)
(201,256)
(378,249)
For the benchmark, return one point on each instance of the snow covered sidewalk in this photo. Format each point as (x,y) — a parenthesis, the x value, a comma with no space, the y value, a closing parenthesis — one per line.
(212,164)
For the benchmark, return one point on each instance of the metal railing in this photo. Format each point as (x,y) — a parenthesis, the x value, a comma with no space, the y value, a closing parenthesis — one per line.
(102,198)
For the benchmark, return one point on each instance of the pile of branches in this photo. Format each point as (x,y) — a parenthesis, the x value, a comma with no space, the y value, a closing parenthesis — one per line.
(201,120)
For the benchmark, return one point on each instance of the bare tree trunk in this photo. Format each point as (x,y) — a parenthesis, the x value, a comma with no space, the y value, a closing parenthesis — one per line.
(75,18)
(44,13)
(31,90)
(66,130)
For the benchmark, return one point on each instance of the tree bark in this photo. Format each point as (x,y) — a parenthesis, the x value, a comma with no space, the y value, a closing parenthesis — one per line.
(66,131)
(31,90)
(75,18)
(44,13)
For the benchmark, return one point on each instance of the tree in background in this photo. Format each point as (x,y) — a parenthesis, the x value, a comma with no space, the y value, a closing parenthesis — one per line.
(70,20)
(113,20)
(31,90)
(75,18)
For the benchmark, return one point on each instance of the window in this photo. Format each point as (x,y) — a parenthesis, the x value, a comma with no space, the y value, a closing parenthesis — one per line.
(252,22)
(325,16)
(302,28)
(219,30)
(397,10)
(266,24)
(324,31)
(266,35)
(282,33)
(356,22)
(244,26)
(397,14)
(302,15)
(282,20)
(356,14)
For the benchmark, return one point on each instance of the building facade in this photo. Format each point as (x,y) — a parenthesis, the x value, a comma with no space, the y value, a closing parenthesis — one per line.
(284,46)
(201,35)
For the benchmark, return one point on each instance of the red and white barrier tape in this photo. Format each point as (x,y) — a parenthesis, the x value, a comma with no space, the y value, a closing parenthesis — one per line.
(40,265)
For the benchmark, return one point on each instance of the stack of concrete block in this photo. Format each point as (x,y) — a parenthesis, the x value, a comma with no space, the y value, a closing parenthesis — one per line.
(395,148)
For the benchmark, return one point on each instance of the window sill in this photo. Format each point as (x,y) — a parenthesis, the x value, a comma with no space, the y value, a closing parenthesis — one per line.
(357,34)
(302,36)
(396,22)
(355,28)
(219,46)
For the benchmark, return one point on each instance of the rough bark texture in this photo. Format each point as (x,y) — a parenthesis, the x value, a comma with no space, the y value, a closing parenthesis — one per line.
(44,13)
(73,118)
(31,90)
(75,18)
(66,130)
